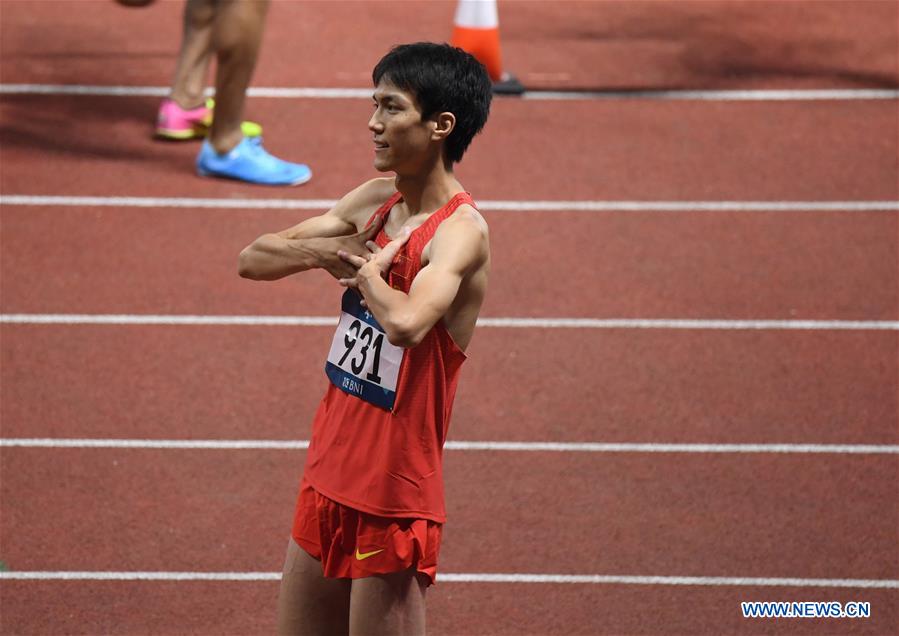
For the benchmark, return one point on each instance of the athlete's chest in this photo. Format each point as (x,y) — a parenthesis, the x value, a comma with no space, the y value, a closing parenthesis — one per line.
(418,247)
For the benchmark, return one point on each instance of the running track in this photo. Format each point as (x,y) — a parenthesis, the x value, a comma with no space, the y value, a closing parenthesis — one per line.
(736,523)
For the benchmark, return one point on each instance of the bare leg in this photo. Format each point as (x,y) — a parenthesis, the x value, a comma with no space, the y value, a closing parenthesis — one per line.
(308,603)
(388,604)
(195,55)
(236,37)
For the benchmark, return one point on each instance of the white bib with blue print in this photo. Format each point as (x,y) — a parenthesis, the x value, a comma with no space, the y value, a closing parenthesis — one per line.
(361,361)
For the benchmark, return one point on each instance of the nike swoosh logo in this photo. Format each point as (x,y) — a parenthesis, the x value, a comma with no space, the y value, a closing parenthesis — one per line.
(365,555)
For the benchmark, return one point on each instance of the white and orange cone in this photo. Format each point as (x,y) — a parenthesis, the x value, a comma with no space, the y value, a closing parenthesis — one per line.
(476,30)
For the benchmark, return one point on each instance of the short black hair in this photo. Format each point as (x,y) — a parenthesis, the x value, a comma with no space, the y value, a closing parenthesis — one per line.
(443,78)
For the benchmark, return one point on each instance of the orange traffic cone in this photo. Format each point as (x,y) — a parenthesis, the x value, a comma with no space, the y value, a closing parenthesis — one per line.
(476,30)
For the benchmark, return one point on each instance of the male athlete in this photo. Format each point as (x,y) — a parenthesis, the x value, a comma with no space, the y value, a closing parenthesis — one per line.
(413,253)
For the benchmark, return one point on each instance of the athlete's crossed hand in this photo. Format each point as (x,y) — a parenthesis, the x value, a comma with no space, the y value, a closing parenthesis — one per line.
(327,249)
(376,261)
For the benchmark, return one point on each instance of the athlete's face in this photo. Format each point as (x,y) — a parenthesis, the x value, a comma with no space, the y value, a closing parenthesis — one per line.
(402,140)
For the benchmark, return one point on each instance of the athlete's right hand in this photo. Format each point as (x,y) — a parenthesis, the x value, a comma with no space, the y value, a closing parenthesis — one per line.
(327,249)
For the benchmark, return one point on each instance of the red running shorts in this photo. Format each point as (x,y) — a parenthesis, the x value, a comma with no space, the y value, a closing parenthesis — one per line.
(353,544)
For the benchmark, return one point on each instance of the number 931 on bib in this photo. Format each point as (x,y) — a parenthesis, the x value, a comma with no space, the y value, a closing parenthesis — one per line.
(361,361)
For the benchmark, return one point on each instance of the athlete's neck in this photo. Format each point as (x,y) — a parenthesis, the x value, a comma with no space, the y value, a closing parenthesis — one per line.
(427,193)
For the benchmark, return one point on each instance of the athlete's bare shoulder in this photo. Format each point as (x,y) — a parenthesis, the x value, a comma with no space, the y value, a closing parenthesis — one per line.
(466,224)
(359,204)
(463,238)
(374,191)
(468,214)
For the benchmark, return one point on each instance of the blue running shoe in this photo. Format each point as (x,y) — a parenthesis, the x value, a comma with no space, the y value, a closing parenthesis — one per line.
(248,161)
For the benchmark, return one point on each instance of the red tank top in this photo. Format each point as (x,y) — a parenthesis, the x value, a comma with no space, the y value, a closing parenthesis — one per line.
(387,460)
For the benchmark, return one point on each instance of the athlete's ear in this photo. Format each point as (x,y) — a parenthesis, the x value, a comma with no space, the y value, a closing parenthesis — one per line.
(443,126)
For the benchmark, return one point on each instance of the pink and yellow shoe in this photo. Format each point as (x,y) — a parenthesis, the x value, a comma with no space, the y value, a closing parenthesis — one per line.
(174,122)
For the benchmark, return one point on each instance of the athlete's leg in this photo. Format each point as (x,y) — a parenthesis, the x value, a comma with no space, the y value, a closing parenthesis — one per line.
(192,67)
(388,604)
(308,603)
(236,37)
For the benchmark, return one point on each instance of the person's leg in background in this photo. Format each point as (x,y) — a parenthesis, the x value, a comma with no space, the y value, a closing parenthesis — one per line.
(184,114)
(232,30)
(237,31)
(235,37)
(192,68)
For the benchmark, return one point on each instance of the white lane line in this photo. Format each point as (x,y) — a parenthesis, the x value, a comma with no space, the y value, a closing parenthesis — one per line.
(506,323)
(163,91)
(166,202)
(723,95)
(664,323)
(450,577)
(208,444)
(139,576)
(599,579)
(365,93)
(125,319)
(484,205)
(560,447)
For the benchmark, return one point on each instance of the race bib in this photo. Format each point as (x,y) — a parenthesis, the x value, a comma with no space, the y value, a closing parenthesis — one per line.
(361,361)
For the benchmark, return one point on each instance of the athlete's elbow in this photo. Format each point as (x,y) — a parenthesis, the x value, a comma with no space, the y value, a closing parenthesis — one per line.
(403,332)
(247,266)
(399,337)
(403,341)
(252,262)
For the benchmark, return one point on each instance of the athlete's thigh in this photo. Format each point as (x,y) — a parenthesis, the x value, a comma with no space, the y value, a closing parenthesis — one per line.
(309,603)
(388,604)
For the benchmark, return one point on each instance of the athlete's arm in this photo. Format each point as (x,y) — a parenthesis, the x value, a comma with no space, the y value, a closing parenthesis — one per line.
(459,247)
(314,243)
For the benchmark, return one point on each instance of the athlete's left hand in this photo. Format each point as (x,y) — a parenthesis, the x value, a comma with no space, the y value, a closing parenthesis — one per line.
(376,262)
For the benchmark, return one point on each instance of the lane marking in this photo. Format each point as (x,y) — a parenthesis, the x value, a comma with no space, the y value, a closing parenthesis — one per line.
(146,320)
(213,444)
(663,323)
(771,95)
(588,447)
(505,323)
(778,95)
(486,205)
(596,579)
(593,579)
(166,202)
(162,91)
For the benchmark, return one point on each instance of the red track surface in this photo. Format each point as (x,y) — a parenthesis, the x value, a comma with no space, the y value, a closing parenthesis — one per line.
(581,44)
(656,151)
(691,265)
(187,510)
(191,607)
(625,385)
(796,516)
